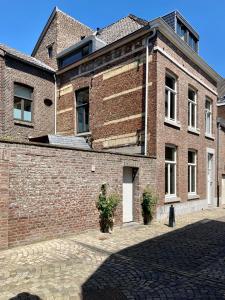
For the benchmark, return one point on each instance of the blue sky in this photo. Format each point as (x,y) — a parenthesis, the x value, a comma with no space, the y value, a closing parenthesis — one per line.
(22,21)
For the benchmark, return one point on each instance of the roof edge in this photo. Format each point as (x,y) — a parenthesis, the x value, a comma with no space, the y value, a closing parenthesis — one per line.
(44,30)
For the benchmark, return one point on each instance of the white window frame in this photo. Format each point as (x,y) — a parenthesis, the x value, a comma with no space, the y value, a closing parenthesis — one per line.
(169,163)
(208,112)
(190,167)
(171,91)
(192,105)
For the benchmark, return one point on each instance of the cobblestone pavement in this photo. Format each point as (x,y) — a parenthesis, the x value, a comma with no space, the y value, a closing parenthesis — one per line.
(135,262)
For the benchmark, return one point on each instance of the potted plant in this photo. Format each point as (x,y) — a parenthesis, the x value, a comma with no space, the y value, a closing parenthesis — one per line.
(149,201)
(106,206)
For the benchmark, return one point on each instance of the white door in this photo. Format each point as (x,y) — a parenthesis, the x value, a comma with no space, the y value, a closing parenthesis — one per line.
(127,195)
(223,190)
(210,179)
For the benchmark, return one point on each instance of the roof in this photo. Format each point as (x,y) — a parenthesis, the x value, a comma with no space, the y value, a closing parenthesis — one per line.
(121,28)
(55,10)
(69,141)
(25,58)
(221,88)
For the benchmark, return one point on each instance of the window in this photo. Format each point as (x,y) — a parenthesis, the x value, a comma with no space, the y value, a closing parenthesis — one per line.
(192,108)
(192,42)
(208,116)
(181,30)
(192,172)
(82,106)
(23,102)
(170,98)
(75,55)
(170,171)
(50,51)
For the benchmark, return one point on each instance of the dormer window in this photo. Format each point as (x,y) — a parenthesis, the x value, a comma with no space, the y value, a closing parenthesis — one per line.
(75,55)
(186,35)
(181,31)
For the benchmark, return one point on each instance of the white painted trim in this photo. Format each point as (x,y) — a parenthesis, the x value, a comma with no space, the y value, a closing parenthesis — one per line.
(125,92)
(173,60)
(124,119)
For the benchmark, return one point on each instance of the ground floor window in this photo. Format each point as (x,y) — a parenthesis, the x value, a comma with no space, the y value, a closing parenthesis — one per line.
(192,168)
(170,171)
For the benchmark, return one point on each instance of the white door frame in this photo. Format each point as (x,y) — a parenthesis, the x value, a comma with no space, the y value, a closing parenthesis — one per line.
(128,192)
(210,197)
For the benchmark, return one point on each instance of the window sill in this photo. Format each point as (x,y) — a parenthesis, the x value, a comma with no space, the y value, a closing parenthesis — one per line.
(23,123)
(194,130)
(83,134)
(175,124)
(172,199)
(193,197)
(209,136)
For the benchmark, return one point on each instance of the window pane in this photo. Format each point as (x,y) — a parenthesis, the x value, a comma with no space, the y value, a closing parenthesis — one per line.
(170,82)
(170,154)
(80,116)
(172,179)
(192,179)
(172,106)
(208,104)
(191,95)
(189,114)
(166,103)
(17,113)
(191,157)
(189,176)
(23,91)
(27,110)
(166,179)
(193,115)
(82,97)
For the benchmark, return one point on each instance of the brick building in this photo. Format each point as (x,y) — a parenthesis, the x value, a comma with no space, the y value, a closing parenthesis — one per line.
(140,87)
(140,95)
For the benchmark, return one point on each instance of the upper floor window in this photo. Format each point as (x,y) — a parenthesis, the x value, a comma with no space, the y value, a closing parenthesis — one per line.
(192,42)
(170,98)
(192,171)
(82,107)
(23,96)
(208,116)
(181,30)
(170,171)
(192,108)
(75,55)
(186,35)
(50,51)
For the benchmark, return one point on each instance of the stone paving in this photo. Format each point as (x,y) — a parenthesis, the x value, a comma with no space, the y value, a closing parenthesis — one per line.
(135,262)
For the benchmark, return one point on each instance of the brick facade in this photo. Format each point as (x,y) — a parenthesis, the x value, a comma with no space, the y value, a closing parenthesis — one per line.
(43,117)
(62,32)
(53,191)
(117,97)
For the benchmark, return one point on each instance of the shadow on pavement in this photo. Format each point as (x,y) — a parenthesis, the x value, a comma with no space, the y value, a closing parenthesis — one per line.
(25,296)
(188,263)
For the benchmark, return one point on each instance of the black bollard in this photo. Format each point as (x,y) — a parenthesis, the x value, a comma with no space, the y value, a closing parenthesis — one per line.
(172,216)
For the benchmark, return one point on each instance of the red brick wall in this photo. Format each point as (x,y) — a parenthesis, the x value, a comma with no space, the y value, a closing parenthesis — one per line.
(180,137)
(4,198)
(43,87)
(53,191)
(63,32)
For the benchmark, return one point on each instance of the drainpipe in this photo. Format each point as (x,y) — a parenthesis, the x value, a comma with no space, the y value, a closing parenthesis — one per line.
(55,103)
(146,88)
(217,165)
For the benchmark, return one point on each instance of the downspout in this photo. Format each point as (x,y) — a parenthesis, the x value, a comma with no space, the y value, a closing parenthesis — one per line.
(55,103)
(217,165)
(147,88)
